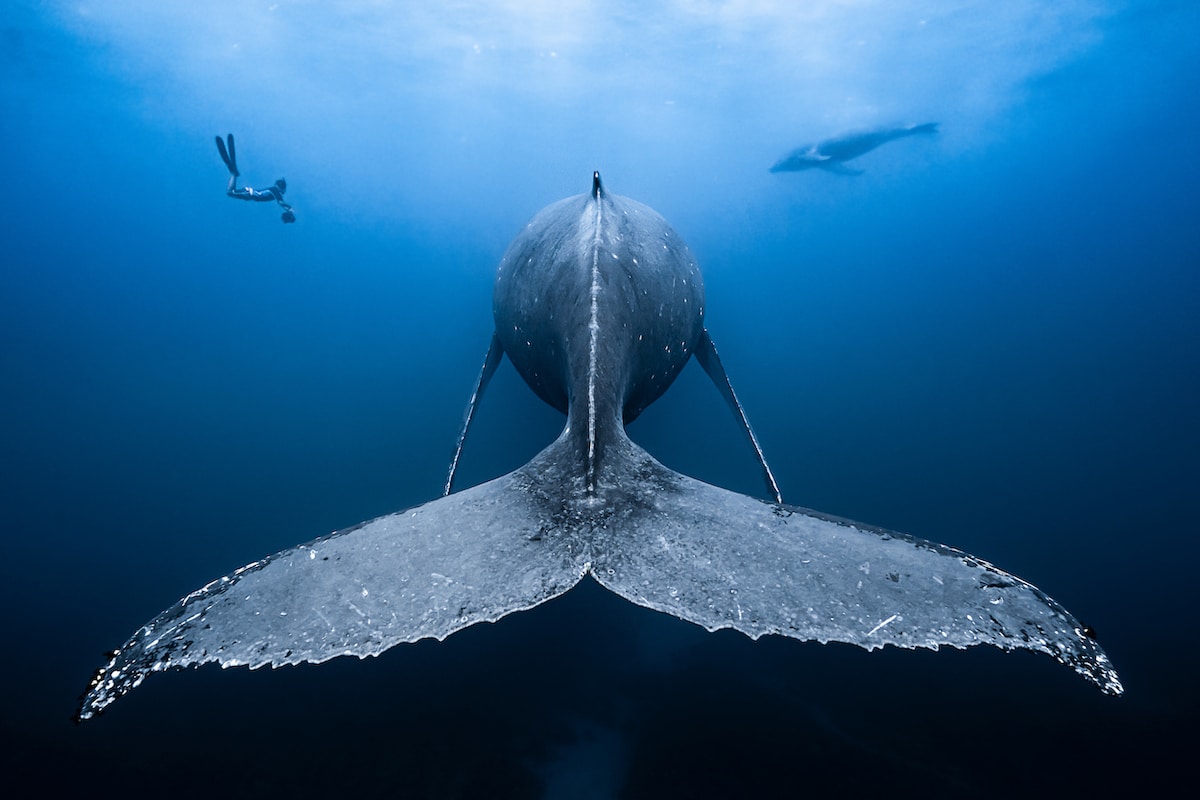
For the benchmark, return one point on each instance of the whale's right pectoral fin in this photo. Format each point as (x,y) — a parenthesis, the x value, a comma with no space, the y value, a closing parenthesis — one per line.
(706,354)
(427,572)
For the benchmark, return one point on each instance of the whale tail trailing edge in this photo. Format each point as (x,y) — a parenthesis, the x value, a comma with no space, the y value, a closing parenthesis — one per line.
(656,537)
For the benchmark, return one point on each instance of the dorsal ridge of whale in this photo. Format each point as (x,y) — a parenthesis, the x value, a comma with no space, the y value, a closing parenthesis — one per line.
(594,330)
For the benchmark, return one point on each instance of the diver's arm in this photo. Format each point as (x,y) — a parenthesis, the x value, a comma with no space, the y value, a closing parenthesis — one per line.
(289,215)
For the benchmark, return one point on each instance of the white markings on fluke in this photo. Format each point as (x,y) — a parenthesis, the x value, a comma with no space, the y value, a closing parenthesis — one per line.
(887,621)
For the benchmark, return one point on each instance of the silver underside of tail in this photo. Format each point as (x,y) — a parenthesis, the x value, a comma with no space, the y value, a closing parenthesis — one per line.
(651,535)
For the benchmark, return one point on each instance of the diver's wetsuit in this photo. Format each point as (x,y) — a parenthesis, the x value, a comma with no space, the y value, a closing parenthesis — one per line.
(229,156)
(261,195)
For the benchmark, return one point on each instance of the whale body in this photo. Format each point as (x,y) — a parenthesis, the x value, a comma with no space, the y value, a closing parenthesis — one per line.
(831,155)
(599,304)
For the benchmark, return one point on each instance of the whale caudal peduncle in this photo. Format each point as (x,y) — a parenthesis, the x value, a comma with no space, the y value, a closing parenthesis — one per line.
(599,304)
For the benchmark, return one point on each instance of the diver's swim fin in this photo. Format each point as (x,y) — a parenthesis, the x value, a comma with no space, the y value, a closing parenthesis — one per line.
(232,157)
(228,156)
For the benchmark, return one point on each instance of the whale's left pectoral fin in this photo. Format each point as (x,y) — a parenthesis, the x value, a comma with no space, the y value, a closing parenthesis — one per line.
(427,572)
(724,560)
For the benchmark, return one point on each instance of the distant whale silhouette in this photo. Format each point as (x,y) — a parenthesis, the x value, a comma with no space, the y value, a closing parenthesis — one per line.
(599,304)
(832,154)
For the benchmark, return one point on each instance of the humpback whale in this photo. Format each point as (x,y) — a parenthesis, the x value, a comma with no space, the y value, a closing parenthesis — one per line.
(599,304)
(832,154)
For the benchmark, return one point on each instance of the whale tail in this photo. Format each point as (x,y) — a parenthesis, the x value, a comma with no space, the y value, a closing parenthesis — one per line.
(656,537)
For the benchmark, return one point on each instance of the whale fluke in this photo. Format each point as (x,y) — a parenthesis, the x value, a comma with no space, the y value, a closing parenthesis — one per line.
(657,538)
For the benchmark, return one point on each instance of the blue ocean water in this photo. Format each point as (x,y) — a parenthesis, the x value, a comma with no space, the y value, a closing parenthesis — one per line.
(989,339)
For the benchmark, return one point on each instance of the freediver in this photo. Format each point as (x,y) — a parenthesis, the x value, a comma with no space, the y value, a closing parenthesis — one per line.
(229,156)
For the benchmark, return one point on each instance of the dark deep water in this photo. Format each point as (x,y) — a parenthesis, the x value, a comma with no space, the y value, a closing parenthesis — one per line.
(989,339)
